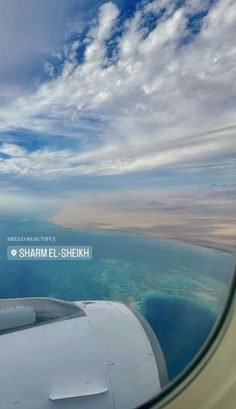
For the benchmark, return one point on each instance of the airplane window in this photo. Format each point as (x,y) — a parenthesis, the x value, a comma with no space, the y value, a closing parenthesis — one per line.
(117,196)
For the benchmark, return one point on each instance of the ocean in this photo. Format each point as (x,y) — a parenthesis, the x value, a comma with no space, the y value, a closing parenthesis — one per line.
(180,288)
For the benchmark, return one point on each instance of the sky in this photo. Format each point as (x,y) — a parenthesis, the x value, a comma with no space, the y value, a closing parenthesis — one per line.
(116,95)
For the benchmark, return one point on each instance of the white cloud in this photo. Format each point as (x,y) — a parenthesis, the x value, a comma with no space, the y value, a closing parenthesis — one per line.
(156,103)
(12,150)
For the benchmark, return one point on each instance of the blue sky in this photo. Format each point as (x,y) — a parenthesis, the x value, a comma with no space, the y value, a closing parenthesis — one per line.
(119,94)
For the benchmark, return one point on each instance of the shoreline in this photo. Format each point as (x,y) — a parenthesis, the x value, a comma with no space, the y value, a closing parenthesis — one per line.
(196,243)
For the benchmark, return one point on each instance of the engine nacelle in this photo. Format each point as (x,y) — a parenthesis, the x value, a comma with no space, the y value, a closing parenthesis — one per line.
(91,354)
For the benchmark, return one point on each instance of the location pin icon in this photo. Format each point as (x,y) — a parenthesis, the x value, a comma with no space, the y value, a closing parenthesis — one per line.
(13,252)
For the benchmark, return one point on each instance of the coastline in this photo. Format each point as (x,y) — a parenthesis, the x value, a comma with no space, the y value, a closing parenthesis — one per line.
(196,243)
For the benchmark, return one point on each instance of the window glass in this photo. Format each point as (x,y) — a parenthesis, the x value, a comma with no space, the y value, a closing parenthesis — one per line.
(117,180)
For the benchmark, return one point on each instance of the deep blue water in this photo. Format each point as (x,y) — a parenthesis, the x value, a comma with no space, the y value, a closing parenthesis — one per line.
(182,326)
(179,288)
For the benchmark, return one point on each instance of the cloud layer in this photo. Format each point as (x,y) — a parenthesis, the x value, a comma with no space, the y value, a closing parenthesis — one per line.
(155,89)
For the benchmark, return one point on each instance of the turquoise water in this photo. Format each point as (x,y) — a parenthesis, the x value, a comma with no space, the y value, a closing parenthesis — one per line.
(179,288)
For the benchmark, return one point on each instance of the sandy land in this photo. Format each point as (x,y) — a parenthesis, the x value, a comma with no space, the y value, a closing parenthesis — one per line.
(208,222)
